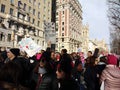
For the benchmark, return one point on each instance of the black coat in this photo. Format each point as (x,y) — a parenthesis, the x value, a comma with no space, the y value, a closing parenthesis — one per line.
(24,65)
(48,82)
(68,84)
(91,79)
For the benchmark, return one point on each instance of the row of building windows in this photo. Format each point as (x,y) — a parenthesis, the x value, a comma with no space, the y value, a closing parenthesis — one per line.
(12,10)
(28,18)
(61,39)
(30,1)
(2,37)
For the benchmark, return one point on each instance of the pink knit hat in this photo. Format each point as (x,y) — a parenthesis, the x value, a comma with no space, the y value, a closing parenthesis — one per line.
(112,59)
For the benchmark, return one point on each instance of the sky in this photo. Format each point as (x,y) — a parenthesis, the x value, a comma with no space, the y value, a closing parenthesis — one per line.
(95,15)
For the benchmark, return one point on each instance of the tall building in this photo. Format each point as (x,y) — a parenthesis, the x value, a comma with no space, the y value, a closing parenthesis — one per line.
(68,25)
(23,18)
(85,35)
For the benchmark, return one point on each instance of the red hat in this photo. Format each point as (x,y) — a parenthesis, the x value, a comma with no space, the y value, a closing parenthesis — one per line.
(112,59)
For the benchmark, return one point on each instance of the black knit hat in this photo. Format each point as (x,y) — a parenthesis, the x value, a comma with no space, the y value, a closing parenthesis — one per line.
(15,51)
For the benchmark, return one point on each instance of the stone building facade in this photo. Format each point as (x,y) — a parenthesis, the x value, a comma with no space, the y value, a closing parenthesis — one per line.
(23,18)
(68,25)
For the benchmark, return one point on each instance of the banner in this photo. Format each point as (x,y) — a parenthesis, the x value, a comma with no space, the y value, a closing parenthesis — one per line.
(29,46)
(50,34)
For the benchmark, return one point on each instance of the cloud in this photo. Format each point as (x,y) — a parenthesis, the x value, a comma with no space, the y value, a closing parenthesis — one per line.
(95,14)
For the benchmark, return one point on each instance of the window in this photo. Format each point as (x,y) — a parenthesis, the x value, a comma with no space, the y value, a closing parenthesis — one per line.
(62,46)
(56,13)
(56,18)
(29,9)
(2,8)
(38,41)
(9,38)
(56,29)
(63,12)
(56,39)
(38,5)
(28,19)
(12,1)
(63,6)
(33,21)
(24,8)
(34,2)
(62,28)
(62,23)
(11,11)
(29,1)
(38,23)
(33,11)
(62,34)
(42,43)
(62,39)
(39,15)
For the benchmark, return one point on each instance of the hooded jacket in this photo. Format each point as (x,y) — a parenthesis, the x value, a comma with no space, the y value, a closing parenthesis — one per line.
(111,77)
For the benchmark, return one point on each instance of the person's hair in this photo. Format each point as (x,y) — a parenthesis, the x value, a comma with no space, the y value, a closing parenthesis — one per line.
(64,50)
(10,72)
(90,52)
(66,65)
(48,65)
(103,59)
(91,61)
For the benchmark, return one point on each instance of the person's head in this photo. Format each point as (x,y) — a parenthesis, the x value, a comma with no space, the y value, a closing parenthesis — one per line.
(64,68)
(103,59)
(13,52)
(91,61)
(63,51)
(78,65)
(58,56)
(10,72)
(53,55)
(112,59)
(45,66)
(89,53)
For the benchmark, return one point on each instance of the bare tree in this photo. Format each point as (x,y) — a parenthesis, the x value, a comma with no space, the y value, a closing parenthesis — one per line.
(114,19)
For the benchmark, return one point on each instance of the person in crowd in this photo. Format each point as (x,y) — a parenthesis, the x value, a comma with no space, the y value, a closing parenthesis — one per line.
(78,74)
(58,56)
(2,59)
(90,75)
(46,79)
(63,51)
(100,67)
(89,53)
(87,61)
(54,60)
(38,55)
(64,74)
(14,56)
(75,57)
(10,76)
(111,74)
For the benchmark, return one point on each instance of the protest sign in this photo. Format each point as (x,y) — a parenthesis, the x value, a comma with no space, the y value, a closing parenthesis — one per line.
(29,46)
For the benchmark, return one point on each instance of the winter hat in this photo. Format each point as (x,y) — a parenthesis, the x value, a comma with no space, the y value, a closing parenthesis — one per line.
(15,51)
(112,59)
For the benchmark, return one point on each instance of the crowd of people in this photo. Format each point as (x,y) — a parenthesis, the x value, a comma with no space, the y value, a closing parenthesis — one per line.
(50,70)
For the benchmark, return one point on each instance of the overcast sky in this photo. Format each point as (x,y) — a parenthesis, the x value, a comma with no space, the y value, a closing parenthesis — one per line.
(95,14)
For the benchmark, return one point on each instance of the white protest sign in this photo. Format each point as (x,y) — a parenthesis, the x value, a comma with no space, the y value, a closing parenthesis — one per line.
(29,46)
